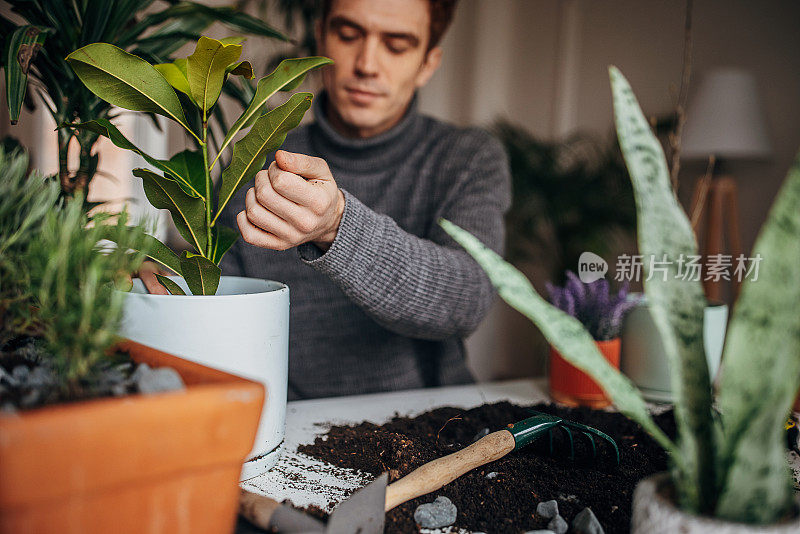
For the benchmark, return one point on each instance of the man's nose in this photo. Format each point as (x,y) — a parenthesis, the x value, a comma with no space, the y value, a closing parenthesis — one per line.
(367,60)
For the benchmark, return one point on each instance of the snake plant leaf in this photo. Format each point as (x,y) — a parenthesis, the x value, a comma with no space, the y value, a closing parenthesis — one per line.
(677,302)
(761,370)
(223,239)
(175,168)
(565,333)
(187,212)
(126,81)
(201,274)
(266,135)
(22,47)
(175,76)
(286,76)
(170,285)
(206,70)
(162,254)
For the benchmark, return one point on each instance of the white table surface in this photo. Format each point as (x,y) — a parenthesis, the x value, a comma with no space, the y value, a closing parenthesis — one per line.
(305,480)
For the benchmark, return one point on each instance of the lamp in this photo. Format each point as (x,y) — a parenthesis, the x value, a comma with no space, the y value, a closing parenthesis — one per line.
(724,122)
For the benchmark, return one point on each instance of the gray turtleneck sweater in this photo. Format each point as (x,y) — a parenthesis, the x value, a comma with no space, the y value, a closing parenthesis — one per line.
(388,305)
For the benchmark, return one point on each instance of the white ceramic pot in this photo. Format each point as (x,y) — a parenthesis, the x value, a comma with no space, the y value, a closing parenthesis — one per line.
(243,329)
(643,359)
(654,512)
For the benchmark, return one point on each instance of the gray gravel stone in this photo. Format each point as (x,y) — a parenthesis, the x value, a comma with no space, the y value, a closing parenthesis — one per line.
(41,376)
(159,380)
(558,525)
(586,523)
(491,475)
(439,513)
(548,509)
(20,373)
(480,434)
(6,377)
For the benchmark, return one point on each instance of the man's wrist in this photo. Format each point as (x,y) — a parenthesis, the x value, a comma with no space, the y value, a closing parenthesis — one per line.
(326,240)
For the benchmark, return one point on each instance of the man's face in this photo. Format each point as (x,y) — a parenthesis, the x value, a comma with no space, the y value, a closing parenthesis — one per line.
(379,52)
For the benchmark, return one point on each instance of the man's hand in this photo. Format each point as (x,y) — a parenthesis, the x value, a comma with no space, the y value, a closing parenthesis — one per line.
(147,272)
(295,201)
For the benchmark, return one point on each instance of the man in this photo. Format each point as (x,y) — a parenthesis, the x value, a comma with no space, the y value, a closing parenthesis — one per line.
(346,214)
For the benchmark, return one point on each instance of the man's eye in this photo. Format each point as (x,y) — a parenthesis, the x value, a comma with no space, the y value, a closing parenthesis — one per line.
(397,46)
(348,35)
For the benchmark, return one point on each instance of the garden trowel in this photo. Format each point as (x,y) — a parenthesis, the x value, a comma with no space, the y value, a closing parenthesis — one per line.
(362,512)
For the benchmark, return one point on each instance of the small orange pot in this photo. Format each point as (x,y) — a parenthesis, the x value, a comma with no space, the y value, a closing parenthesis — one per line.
(571,386)
(165,463)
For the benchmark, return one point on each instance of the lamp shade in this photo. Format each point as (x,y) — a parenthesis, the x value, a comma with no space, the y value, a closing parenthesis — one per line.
(725,118)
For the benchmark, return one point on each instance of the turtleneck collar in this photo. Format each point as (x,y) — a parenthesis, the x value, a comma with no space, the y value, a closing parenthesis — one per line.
(384,149)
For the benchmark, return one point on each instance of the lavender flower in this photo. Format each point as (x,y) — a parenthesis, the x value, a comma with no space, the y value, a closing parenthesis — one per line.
(600,311)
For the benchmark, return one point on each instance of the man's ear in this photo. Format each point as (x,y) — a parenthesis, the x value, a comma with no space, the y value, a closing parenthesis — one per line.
(432,61)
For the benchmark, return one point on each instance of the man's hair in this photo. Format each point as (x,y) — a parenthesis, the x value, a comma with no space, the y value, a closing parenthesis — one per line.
(441,12)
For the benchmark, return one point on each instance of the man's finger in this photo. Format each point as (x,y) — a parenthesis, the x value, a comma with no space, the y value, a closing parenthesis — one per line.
(290,185)
(308,167)
(147,273)
(258,237)
(265,219)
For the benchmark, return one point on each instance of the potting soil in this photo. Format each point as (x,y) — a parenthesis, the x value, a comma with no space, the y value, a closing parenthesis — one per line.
(505,502)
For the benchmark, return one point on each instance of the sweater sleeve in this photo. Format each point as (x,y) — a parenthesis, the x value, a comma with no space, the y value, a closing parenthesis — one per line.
(423,287)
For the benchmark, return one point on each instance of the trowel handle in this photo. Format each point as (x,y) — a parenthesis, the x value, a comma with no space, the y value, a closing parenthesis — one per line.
(444,470)
(257,509)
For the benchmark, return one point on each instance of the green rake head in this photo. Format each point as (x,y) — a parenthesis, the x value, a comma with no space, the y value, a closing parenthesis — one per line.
(530,429)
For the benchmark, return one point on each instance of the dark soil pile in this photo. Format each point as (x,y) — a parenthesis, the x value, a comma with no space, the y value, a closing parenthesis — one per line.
(506,502)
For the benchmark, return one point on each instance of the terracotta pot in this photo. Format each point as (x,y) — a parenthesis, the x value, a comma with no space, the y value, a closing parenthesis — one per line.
(571,386)
(163,463)
(654,512)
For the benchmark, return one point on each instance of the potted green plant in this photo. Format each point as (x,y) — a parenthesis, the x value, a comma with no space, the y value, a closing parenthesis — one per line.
(51,29)
(90,443)
(240,325)
(602,314)
(729,468)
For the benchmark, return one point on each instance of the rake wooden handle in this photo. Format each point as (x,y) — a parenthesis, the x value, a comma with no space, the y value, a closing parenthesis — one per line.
(437,473)
(257,509)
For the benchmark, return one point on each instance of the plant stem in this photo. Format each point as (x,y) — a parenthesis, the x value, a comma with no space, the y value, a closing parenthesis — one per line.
(204,147)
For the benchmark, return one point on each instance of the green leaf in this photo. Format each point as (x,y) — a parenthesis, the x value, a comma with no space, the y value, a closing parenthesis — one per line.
(21,49)
(240,68)
(201,275)
(227,15)
(565,333)
(175,76)
(189,169)
(161,253)
(677,303)
(187,212)
(288,74)
(206,70)
(223,239)
(170,285)
(126,81)
(761,370)
(266,135)
(175,167)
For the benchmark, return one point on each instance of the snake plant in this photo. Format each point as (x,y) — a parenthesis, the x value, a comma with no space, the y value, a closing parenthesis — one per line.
(732,466)
(183,184)
(34,50)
